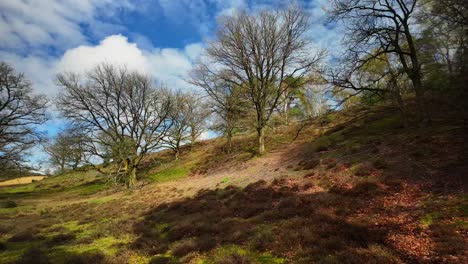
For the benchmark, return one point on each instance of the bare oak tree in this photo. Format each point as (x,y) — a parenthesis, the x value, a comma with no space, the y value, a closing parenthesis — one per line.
(67,150)
(123,113)
(21,112)
(258,53)
(188,120)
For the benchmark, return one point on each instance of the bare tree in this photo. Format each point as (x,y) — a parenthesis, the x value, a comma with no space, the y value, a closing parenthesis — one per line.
(258,53)
(226,101)
(123,113)
(21,111)
(375,28)
(67,150)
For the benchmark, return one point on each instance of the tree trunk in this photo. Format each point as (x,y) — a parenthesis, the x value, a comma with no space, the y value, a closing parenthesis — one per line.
(62,166)
(261,140)
(132,179)
(416,77)
(229,141)
(176,154)
(286,111)
(193,138)
(424,114)
(401,108)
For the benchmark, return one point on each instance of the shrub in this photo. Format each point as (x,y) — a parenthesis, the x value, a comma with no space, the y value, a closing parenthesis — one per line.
(364,188)
(309,164)
(8,204)
(362,169)
(183,247)
(262,238)
(23,236)
(380,163)
(61,239)
(233,258)
(34,256)
(85,258)
(3,246)
(161,259)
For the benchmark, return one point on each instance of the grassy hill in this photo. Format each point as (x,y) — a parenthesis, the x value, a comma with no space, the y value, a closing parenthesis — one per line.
(353,187)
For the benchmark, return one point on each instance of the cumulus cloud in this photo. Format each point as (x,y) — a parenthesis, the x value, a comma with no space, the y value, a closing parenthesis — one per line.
(168,65)
(114,50)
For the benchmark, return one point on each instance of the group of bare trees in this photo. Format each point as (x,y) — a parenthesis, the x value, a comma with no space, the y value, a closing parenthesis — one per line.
(260,66)
(124,115)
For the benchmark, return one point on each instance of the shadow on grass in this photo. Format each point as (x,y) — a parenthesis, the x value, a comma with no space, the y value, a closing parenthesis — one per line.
(287,221)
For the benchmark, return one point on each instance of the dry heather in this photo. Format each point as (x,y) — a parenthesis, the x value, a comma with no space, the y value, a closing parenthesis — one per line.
(339,190)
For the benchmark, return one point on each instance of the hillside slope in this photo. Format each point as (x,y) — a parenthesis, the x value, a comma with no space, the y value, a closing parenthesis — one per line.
(354,187)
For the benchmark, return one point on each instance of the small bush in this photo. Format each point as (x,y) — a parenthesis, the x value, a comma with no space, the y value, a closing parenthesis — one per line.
(362,169)
(309,164)
(233,258)
(183,247)
(85,258)
(380,163)
(330,163)
(364,188)
(34,256)
(23,236)
(3,246)
(61,239)
(161,259)
(262,238)
(8,204)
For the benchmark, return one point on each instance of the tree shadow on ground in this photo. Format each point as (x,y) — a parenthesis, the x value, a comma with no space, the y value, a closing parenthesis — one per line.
(289,220)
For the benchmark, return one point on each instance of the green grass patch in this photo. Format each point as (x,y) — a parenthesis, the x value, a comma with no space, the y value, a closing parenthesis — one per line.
(89,188)
(14,250)
(227,254)
(170,174)
(430,218)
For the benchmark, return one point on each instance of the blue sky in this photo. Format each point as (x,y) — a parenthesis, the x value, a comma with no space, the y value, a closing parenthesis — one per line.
(162,38)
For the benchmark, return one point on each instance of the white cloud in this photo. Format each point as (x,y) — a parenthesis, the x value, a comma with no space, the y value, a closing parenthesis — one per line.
(37,69)
(114,49)
(31,24)
(168,65)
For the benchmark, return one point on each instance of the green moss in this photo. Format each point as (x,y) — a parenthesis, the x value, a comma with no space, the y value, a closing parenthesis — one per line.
(430,218)
(170,174)
(225,180)
(382,125)
(14,250)
(107,245)
(225,253)
(88,188)
(326,141)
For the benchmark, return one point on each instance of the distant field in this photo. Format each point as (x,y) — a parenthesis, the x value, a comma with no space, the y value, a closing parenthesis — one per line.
(22,180)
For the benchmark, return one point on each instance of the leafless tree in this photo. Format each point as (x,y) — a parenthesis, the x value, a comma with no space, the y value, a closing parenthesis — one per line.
(375,28)
(225,102)
(21,111)
(258,53)
(188,118)
(124,114)
(67,150)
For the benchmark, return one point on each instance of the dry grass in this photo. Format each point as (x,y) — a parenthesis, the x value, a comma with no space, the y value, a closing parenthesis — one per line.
(22,180)
(369,193)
